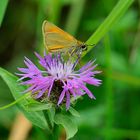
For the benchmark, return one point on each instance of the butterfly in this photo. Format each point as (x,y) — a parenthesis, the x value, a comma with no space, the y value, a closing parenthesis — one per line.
(57,40)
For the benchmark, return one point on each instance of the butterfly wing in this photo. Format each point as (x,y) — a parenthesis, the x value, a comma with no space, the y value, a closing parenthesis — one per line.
(56,39)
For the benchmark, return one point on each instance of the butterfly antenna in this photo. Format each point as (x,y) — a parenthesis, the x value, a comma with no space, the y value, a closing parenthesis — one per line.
(91,44)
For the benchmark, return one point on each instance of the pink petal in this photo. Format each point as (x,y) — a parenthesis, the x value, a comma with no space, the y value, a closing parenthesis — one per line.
(61,97)
(50,87)
(87,91)
(67,100)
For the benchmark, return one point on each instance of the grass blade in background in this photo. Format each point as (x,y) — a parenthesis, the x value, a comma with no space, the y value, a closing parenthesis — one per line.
(39,21)
(113,17)
(74,16)
(47,10)
(55,11)
(108,89)
(3,5)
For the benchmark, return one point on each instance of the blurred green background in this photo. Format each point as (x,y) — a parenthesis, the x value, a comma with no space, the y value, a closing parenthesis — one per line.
(115,115)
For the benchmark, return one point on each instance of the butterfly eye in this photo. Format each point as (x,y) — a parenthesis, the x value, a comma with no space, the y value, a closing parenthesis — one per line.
(84,47)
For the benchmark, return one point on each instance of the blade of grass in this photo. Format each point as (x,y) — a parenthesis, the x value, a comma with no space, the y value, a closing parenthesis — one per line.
(3,6)
(53,14)
(123,77)
(135,47)
(108,89)
(39,21)
(74,16)
(55,10)
(130,79)
(123,133)
(112,18)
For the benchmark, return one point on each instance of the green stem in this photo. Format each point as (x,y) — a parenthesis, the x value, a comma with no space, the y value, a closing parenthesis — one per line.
(112,18)
(54,130)
(47,117)
(15,102)
(3,6)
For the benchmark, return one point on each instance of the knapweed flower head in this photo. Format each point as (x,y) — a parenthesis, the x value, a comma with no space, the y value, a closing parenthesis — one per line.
(58,81)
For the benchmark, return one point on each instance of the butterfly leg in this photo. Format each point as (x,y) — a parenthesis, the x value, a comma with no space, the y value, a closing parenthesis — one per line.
(78,59)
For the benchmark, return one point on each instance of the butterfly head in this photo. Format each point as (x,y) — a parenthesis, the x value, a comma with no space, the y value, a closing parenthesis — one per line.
(84,46)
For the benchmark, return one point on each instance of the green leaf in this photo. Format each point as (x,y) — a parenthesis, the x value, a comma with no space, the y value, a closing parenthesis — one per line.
(74,112)
(14,102)
(37,118)
(37,106)
(51,113)
(34,105)
(67,123)
(3,5)
(112,18)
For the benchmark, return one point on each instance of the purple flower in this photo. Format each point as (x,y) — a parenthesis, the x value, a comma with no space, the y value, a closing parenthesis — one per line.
(58,80)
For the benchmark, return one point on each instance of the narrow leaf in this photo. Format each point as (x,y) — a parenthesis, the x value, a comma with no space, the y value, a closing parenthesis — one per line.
(37,106)
(67,123)
(74,112)
(112,18)
(37,118)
